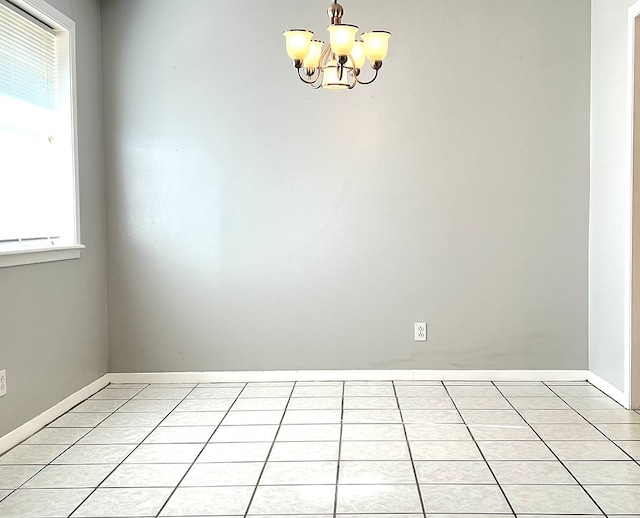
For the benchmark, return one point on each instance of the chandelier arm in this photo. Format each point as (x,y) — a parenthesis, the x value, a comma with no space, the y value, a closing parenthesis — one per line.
(324,57)
(354,81)
(317,80)
(309,82)
(367,82)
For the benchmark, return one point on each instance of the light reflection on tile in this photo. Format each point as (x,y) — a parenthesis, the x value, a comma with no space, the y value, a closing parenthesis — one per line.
(463,499)
(223,474)
(205,501)
(299,473)
(515,450)
(80,420)
(99,405)
(39,503)
(373,432)
(586,450)
(611,416)
(489,432)
(531,472)
(426,403)
(378,499)
(146,475)
(437,432)
(605,472)
(308,432)
(149,405)
(632,448)
(376,472)
(374,450)
(123,502)
(116,435)
(235,452)
(59,477)
(180,434)
(306,451)
(164,453)
(95,454)
(32,454)
(262,433)
(472,390)
(453,472)
(621,431)
(621,500)
(568,432)
(293,499)
(58,436)
(12,477)
(550,499)
(421,391)
(445,450)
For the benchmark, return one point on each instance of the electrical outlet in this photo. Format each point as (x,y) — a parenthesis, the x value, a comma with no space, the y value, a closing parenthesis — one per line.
(420,332)
(3,382)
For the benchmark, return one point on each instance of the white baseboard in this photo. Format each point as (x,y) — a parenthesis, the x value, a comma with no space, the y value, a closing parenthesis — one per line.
(26,430)
(609,389)
(349,375)
(30,427)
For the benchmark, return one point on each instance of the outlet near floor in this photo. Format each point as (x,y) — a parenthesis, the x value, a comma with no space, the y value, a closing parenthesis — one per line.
(3,382)
(420,332)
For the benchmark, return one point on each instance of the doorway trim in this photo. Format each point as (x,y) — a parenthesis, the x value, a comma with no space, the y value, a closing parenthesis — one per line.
(632,247)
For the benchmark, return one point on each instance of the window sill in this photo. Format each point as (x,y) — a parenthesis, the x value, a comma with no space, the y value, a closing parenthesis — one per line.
(39,255)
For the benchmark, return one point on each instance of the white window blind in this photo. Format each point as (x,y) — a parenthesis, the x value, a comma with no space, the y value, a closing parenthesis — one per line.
(36,184)
(27,58)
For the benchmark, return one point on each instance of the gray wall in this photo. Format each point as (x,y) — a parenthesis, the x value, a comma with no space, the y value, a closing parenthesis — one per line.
(53,320)
(610,189)
(256,224)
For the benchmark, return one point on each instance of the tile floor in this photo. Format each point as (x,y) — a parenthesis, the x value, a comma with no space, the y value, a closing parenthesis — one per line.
(331,449)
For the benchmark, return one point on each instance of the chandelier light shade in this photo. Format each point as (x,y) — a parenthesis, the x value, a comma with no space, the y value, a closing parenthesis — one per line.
(376,45)
(298,43)
(312,60)
(336,66)
(358,55)
(342,38)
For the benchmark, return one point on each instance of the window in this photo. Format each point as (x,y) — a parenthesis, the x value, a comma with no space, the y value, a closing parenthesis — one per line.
(38,168)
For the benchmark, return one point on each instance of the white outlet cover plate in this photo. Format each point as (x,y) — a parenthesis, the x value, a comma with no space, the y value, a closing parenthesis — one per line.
(420,332)
(3,382)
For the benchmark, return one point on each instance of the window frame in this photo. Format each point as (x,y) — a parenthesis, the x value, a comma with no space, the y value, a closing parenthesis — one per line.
(65,30)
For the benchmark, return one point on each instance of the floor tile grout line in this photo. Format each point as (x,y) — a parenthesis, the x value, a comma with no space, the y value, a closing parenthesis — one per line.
(513,512)
(130,453)
(88,398)
(175,488)
(92,428)
(50,463)
(335,497)
(554,453)
(275,437)
(592,424)
(413,464)
(589,385)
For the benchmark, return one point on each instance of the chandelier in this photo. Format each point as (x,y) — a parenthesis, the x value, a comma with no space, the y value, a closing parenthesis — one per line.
(336,66)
